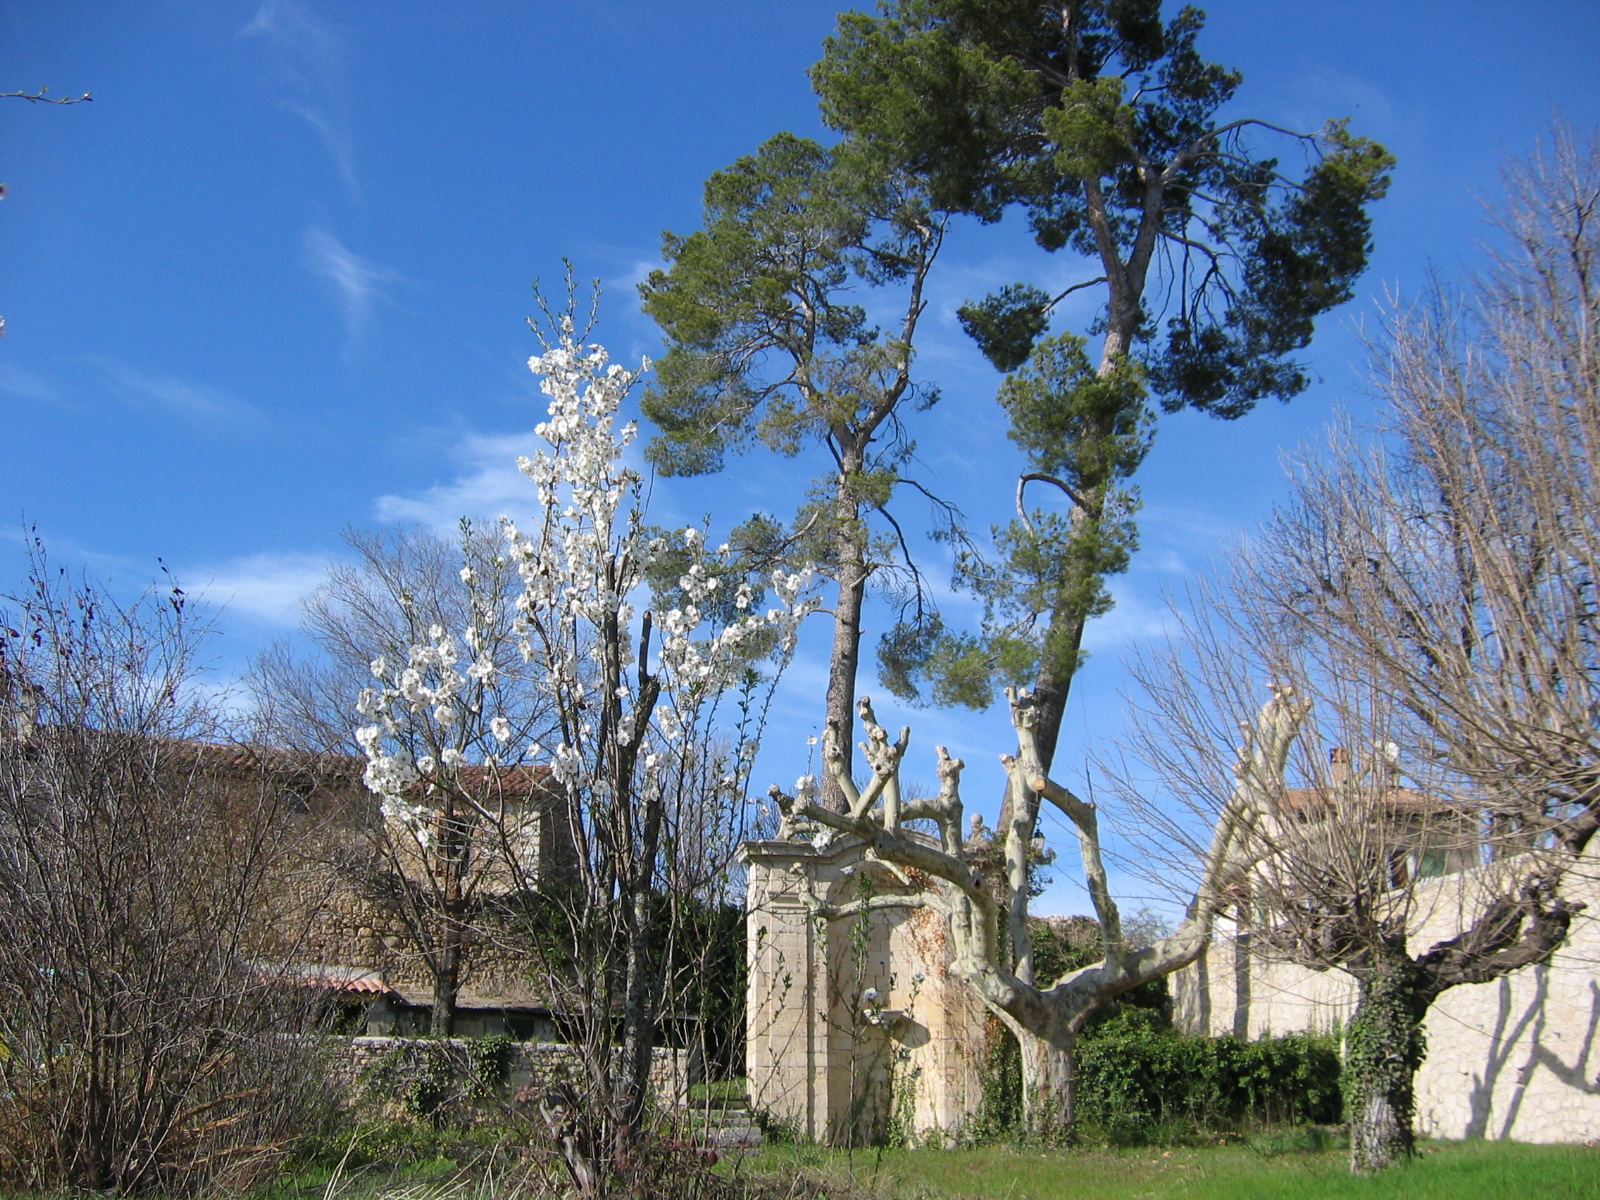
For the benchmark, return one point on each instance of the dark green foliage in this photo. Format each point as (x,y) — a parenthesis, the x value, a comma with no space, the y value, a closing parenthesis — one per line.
(1084,434)
(1062,945)
(1007,324)
(1140,1082)
(766,342)
(490,1060)
(710,964)
(1100,122)
(424,1077)
(700,946)
(1136,1082)
(439,1082)
(999,1115)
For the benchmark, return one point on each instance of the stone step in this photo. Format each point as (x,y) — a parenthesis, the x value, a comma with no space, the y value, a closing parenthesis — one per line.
(717,1121)
(724,1122)
(717,1102)
(724,1139)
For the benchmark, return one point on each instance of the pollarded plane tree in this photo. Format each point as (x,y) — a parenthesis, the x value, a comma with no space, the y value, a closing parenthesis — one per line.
(1434,594)
(1101,124)
(1046,1018)
(770,343)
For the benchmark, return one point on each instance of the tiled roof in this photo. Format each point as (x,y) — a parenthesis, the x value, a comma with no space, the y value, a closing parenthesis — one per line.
(332,977)
(1394,800)
(245,759)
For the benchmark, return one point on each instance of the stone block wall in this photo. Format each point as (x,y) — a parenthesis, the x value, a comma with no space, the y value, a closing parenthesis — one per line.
(533,1065)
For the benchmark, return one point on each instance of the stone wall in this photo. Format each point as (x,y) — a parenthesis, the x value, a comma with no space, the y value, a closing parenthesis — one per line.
(534,1066)
(1516,1058)
(855,1026)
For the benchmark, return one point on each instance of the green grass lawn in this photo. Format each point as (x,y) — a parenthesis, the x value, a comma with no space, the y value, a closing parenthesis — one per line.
(1264,1170)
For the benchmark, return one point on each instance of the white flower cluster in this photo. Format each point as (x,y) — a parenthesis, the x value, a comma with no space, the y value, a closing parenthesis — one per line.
(580,565)
(428,688)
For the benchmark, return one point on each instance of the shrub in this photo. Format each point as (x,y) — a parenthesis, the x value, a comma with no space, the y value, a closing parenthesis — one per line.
(143,1044)
(1137,1083)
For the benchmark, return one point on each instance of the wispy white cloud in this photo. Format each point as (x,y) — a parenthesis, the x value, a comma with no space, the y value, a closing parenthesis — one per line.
(25,385)
(266,587)
(1327,90)
(156,390)
(487,483)
(308,57)
(357,281)
(1139,613)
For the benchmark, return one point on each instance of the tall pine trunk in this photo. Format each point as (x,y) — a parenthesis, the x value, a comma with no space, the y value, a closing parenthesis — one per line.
(851,571)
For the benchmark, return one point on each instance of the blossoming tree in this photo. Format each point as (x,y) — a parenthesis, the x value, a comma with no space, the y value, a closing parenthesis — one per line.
(655,720)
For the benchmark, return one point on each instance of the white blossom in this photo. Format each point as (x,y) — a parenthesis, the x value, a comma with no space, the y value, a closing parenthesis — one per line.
(578,561)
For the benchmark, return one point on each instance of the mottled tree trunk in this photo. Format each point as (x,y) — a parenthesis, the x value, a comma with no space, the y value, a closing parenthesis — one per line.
(1048,1072)
(1384,1046)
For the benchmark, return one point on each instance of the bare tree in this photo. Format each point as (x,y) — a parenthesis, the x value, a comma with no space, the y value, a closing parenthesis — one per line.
(142,1041)
(401,582)
(441,874)
(1434,596)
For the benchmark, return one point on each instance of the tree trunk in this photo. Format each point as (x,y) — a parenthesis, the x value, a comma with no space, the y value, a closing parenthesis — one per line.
(446,983)
(852,571)
(638,1023)
(1048,1070)
(1384,1046)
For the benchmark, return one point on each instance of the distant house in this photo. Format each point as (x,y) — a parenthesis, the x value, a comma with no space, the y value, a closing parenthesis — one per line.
(1408,834)
(347,936)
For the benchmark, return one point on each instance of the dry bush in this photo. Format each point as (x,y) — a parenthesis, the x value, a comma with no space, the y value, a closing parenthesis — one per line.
(143,1047)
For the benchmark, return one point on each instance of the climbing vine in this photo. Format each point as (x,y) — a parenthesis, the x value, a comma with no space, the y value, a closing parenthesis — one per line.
(1384,1046)
(490,1059)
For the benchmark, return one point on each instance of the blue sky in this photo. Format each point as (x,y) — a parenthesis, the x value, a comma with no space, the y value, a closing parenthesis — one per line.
(271,281)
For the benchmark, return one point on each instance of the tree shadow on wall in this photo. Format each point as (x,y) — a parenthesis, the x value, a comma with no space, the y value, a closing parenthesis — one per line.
(1504,1040)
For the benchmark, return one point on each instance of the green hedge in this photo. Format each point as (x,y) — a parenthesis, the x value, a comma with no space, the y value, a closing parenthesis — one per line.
(1136,1083)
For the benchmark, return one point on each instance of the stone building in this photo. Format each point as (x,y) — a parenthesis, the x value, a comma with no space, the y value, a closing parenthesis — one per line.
(347,937)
